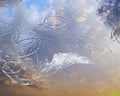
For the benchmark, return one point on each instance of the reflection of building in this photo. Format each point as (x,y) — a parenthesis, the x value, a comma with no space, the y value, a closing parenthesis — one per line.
(110,11)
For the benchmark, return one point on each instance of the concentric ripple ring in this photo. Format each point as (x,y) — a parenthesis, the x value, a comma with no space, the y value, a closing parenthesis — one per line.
(29,42)
(6,28)
(55,22)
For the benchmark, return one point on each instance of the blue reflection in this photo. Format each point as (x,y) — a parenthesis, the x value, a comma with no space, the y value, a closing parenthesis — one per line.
(42,4)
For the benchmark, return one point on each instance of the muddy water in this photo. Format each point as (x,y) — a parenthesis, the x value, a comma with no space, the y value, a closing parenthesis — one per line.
(59,48)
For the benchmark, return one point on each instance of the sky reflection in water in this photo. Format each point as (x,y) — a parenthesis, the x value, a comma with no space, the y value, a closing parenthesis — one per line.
(70,47)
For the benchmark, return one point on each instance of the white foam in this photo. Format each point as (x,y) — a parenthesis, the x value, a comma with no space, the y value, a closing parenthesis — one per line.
(64,60)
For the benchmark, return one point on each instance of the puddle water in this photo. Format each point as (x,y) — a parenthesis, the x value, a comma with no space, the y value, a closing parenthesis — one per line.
(59,47)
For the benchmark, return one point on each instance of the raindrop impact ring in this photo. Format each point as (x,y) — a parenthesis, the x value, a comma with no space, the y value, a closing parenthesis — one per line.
(55,22)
